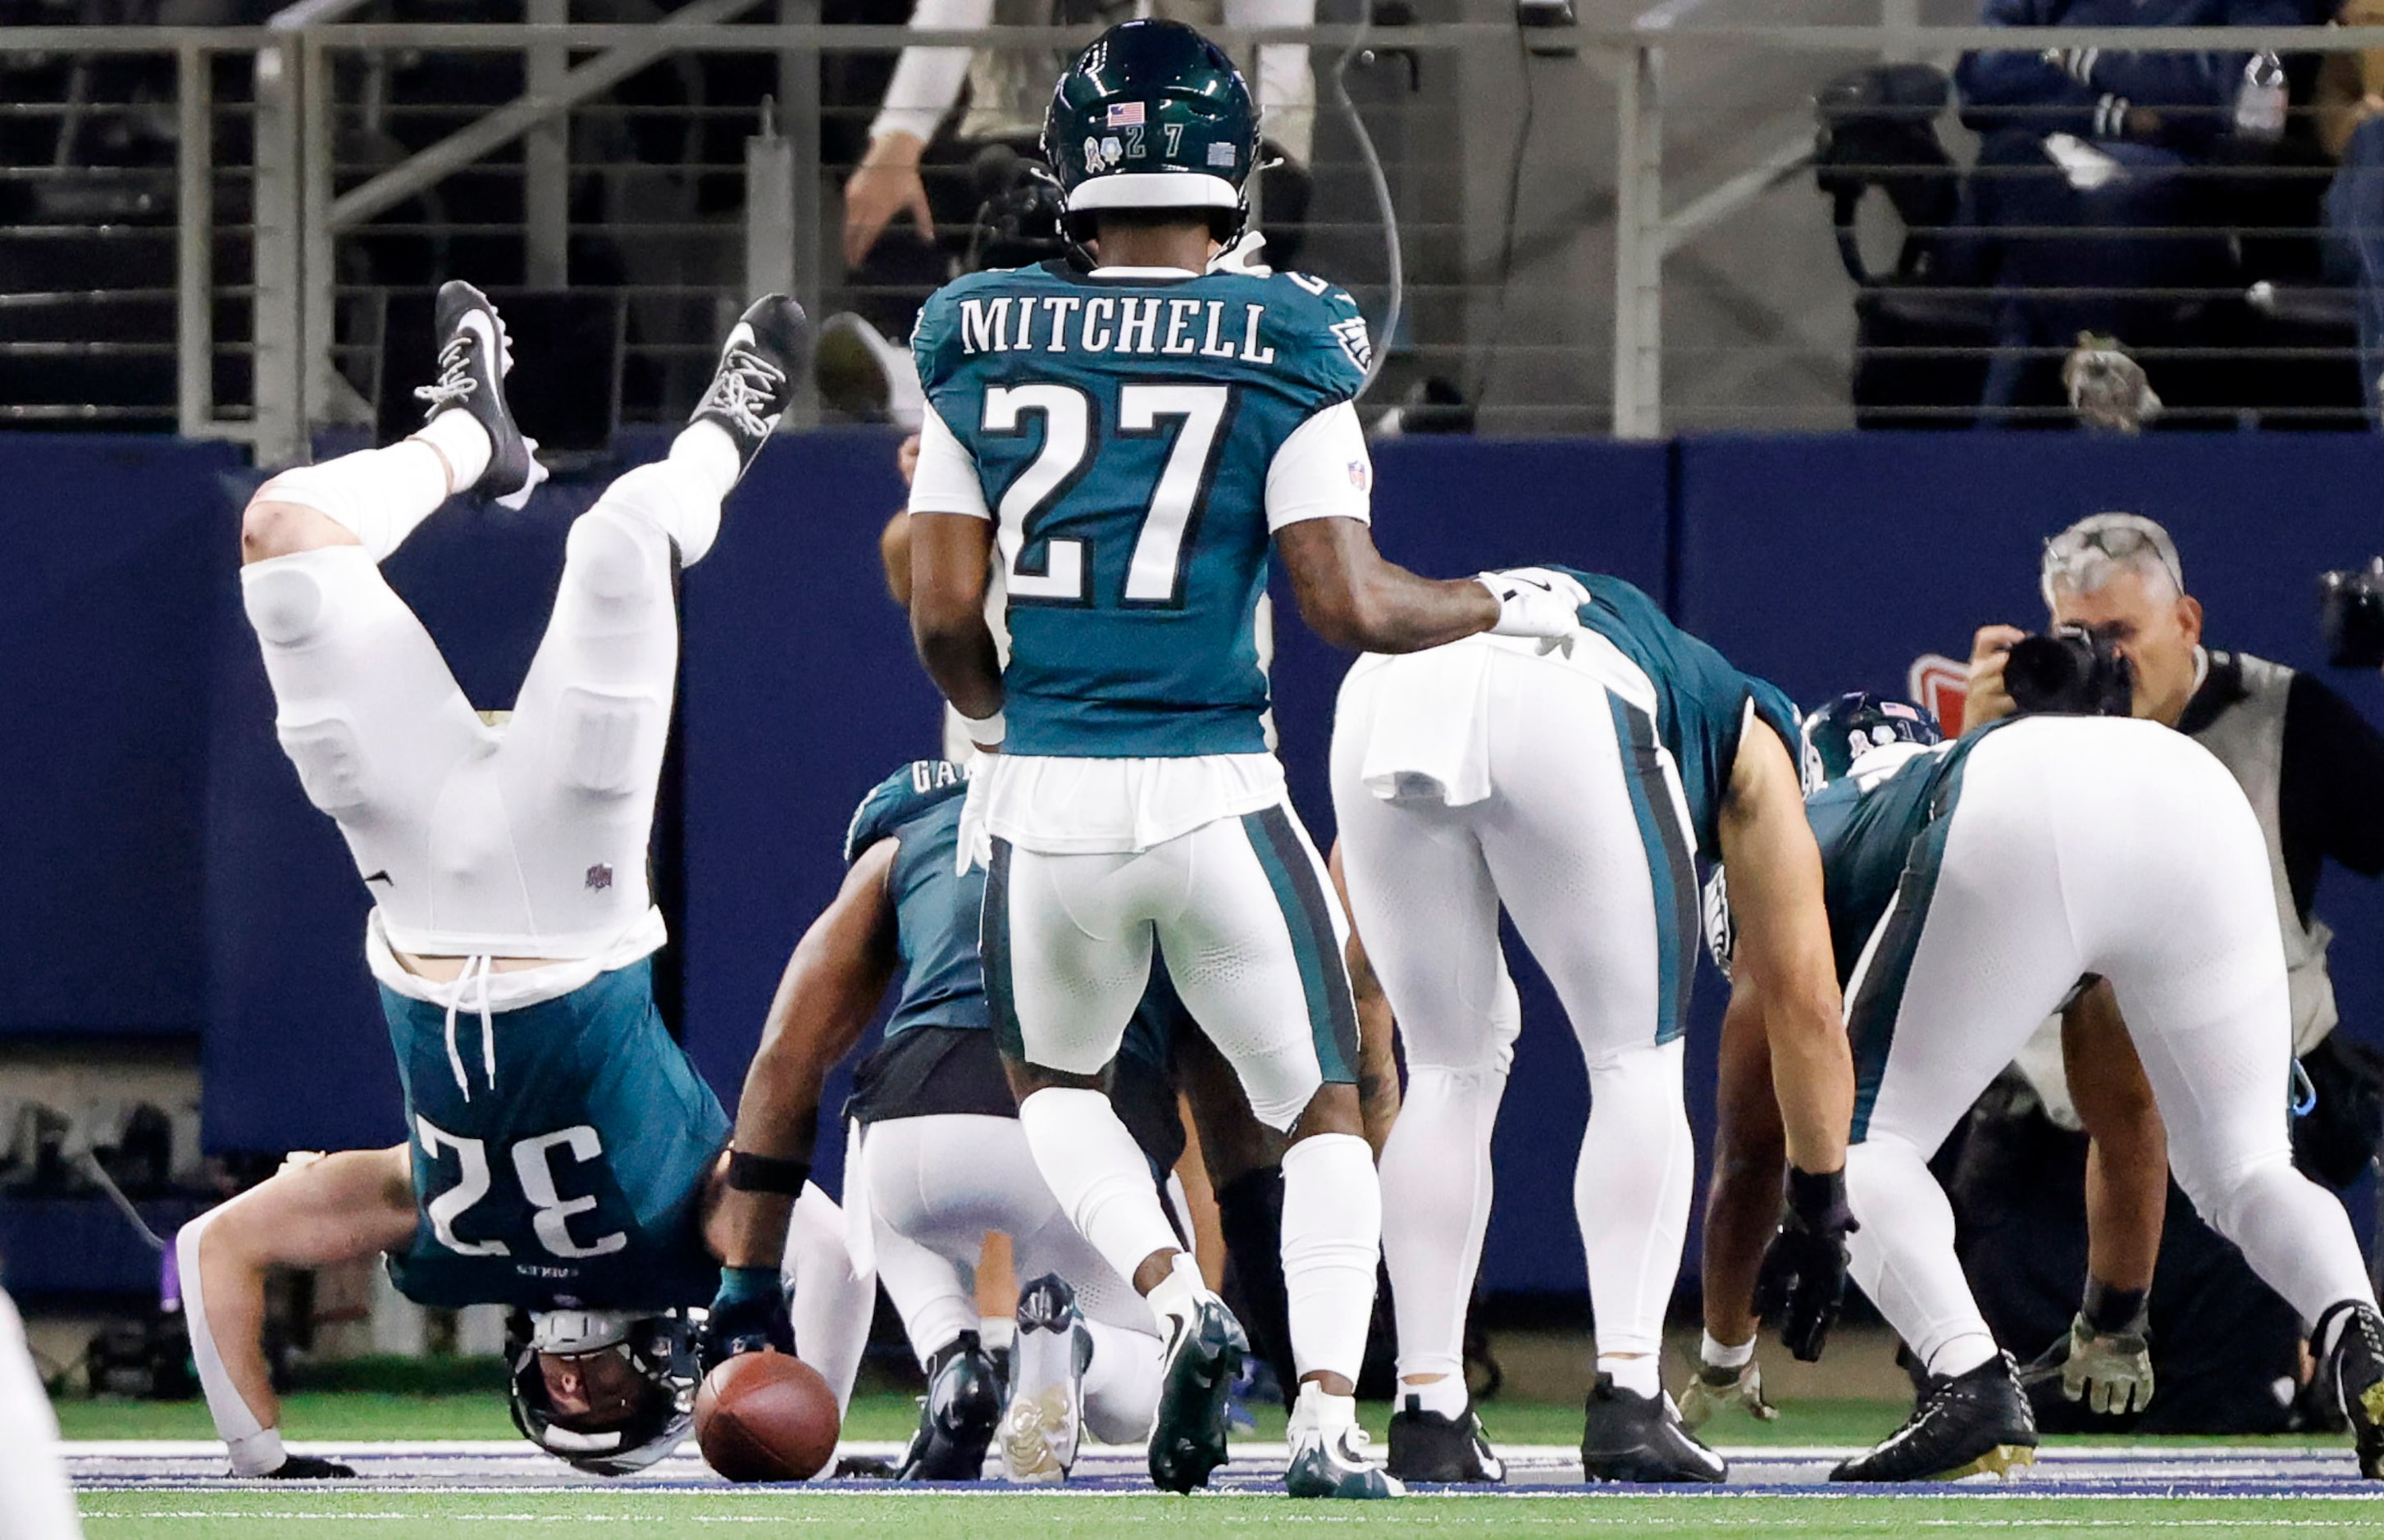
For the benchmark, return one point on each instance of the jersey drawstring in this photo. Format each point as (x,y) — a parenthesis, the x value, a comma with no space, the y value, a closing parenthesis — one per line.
(476,971)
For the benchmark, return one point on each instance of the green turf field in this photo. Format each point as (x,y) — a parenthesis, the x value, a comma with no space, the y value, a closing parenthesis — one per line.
(498,1516)
(369,1414)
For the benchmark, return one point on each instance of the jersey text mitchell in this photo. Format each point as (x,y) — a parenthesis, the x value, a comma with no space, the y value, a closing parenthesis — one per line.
(1126,324)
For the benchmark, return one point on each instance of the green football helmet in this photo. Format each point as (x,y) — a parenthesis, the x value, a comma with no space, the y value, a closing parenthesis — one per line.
(1153,116)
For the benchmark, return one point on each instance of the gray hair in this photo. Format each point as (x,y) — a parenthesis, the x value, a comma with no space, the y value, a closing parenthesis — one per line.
(2088,556)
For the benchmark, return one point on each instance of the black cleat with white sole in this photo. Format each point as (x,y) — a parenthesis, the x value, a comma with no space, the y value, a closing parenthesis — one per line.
(1202,1359)
(1629,1437)
(1965,1423)
(2355,1369)
(768,348)
(1426,1445)
(474,355)
(957,1417)
(310,1468)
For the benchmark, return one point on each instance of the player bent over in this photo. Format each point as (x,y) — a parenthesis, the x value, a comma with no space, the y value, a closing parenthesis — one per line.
(1132,437)
(1576,789)
(1975,887)
(564,1157)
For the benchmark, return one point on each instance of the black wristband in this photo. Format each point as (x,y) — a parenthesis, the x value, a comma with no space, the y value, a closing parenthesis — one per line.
(2112,1310)
(751,1173)
(1818,1202)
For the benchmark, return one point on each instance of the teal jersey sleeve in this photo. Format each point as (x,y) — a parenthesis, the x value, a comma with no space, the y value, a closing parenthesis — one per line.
(898,798)
(1123,428)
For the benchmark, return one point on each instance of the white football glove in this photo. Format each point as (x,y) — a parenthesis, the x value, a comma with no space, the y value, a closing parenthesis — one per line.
(1534,601)
(974,844)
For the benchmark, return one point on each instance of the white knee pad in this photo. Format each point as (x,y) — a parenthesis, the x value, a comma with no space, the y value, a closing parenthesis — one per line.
(330,761)
(668,496)
(612,556)
(284,597)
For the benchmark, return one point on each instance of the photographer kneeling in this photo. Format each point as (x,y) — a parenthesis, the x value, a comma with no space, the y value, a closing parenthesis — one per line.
(2229,1356)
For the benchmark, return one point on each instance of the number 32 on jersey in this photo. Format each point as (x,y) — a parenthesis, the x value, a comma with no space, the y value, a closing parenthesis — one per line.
(1193,415)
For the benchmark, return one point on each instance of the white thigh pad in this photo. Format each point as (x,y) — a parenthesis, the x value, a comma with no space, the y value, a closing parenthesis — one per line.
(284,600)
(600,735)
(330,761)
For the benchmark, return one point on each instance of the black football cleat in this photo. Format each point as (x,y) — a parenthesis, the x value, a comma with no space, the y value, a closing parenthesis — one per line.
(2355,1367)
(1629,1438)
(1202,1359)
(956,1417)
(474,356)
(1965,1423)
(769,345)
(1428,1447)
(309,1468)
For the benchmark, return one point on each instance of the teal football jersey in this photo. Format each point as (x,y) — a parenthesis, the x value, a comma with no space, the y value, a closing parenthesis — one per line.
(1122,429)
(573,1180)
(1870,829)
(1701,698)
(938,913)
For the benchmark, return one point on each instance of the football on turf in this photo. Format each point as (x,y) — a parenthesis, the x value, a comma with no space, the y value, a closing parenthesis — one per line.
(766,1417)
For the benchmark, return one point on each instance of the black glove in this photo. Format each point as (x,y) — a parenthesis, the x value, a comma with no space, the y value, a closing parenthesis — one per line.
(1804,1274)
(748,1315)
(308,1467)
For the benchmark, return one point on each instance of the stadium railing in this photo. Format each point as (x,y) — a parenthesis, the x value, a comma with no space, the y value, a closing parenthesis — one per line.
(299,161)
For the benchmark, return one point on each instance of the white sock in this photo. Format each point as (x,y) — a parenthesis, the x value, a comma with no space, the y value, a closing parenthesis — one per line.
(706,448)
(255,1449)
(1120,1383)
(1325,1413)
(459,436)
(675,496)
(1437,1186)
(829,1299)
(1960,1354)
(1332,1239)
(1634,1372)
(1445,1397)
(1097,1174)
(378,496)
(1719,1355)
(1631,1193)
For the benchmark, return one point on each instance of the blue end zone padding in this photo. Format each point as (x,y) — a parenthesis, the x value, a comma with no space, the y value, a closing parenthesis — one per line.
(114,574)
(170,872)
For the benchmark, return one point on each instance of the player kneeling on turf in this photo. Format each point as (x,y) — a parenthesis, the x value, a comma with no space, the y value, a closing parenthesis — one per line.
(564,1158)
(1974,886)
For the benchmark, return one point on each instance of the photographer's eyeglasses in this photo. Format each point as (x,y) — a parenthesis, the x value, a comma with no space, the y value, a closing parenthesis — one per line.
(2116,537)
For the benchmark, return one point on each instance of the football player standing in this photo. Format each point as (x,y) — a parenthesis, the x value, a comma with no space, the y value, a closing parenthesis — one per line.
(1576,789)
(1132,435)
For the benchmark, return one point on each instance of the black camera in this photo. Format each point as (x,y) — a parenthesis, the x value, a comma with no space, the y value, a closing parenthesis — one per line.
(2351,614)
(2071,672)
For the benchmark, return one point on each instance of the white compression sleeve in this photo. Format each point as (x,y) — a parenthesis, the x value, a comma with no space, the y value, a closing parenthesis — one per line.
(829,1299)
(1120,1383)
(1331,1236)
(35,1501)
(255,1448)
(1631,1193)
(1097,1174)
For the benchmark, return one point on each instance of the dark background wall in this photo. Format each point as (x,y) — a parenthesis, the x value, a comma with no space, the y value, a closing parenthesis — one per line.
(169,877)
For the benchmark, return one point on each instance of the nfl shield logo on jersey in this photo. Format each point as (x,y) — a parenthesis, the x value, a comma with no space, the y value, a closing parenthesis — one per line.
(600,877)
(1940,684)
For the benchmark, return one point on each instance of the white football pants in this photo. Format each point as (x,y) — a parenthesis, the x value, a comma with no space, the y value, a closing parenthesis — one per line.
(35,1502)
(1571,819)
(2076,846)
(524,840)
(935,1185)
(1242,910)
